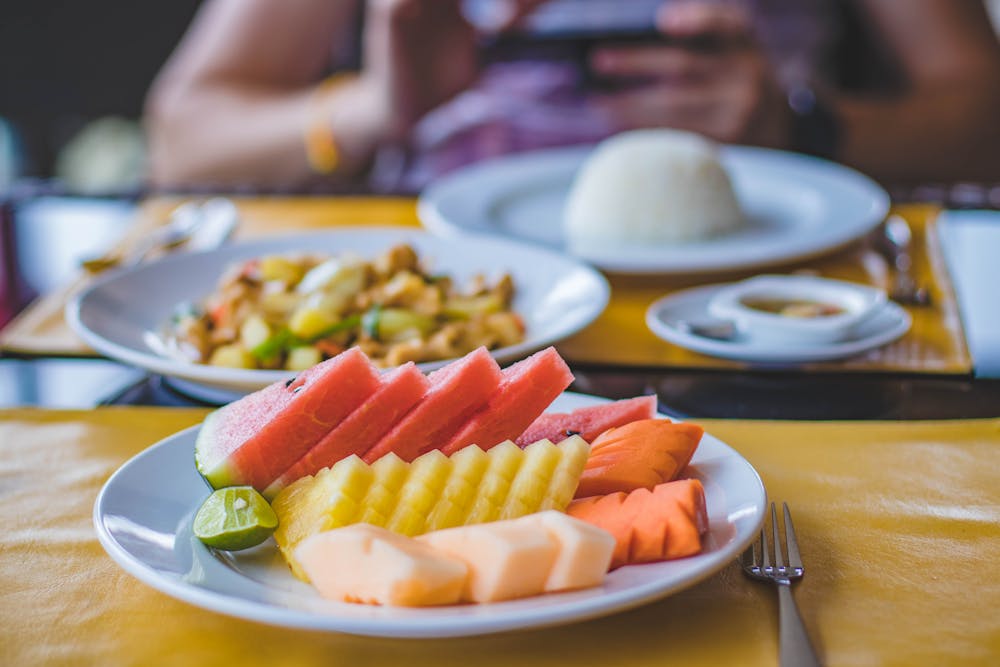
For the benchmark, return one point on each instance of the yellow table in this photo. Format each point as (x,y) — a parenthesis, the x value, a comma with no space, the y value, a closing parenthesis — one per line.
(619,338)
(899,526)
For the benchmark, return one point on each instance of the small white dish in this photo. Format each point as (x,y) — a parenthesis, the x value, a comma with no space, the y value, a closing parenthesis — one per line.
(796,310)
(124,314)
(144,514)
(670,319)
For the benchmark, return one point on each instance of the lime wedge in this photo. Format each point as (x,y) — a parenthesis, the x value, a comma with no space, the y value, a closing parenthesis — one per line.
(234,518)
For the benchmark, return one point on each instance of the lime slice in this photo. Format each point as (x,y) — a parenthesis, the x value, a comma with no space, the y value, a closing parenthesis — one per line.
(234,518)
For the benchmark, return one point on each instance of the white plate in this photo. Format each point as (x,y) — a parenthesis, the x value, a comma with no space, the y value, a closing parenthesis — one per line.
(798,207)
(886,324)
(144,513)
(123,315)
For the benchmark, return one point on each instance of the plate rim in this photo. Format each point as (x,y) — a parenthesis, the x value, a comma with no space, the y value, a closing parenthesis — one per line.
(779,355)
(878,202)
(235,379)
(432,627)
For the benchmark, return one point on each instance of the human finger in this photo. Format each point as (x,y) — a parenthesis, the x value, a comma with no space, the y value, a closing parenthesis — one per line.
(652,61)
(722,20)
(507,14)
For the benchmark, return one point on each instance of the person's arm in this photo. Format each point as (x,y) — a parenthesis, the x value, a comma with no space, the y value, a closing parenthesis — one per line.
(946,125)
(943,126)
(233,101)
(236,98)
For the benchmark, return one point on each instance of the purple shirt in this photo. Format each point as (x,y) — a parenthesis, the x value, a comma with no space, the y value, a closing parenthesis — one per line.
(523,105)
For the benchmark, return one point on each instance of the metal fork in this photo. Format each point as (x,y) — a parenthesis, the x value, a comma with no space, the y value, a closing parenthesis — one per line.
(795,648)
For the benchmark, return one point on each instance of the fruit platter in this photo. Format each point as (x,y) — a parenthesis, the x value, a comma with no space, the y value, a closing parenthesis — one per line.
(352,501)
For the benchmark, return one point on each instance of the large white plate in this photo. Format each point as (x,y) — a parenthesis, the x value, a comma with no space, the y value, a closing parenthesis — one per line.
(886,324)
(798,206)
(143,517)
(123,315)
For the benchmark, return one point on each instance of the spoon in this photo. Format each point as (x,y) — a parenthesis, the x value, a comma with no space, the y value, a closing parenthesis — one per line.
(897,242)
(198,226)
(708,328)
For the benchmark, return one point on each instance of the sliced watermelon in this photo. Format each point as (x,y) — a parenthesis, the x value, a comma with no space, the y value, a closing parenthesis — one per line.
(401,390)
(588,422)
(457,392)
(527,388)
(255,439)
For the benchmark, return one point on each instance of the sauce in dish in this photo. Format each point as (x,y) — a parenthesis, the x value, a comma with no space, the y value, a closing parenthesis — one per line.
(800,308)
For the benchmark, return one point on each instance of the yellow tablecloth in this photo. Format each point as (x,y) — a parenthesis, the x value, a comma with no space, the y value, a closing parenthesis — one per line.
(899,524)
(935,344)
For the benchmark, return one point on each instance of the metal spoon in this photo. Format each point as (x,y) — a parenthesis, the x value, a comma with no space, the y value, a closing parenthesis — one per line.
(897,243)
(708,328)
(196,226)
(182,223)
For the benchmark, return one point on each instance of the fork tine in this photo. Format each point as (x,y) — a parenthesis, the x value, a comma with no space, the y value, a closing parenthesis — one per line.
(794,559)
(778,559)
(765,554)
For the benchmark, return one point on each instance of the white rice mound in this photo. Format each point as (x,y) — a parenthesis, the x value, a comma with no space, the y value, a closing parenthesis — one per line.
(653,186)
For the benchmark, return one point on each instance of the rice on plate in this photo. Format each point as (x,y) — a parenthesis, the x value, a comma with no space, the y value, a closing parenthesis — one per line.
(652,186)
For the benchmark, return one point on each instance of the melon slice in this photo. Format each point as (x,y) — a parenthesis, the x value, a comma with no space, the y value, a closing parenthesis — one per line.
(400,391)
(457,391)
(255,439)
(527,388)
(368,564)
(588,422)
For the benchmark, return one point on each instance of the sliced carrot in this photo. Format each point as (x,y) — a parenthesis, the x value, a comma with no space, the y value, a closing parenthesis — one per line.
(640,454)
(648,526)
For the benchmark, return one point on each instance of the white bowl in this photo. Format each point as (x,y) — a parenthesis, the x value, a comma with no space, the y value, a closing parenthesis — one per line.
(798,310)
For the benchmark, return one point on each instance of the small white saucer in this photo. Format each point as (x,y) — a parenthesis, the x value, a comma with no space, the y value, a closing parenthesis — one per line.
(665,317)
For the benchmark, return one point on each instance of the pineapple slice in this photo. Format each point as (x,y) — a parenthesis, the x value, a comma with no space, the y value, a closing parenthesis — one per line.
(432,492)
(457,496)
(390,474)
(566,476)
(348,482)
(532,480)
(330,499)
(505,459)
(428,475)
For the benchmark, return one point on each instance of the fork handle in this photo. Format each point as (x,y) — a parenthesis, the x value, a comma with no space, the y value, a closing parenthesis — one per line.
(795,648)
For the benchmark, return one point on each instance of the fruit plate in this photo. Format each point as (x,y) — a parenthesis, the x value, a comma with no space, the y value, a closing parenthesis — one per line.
(124,315)
(144,513)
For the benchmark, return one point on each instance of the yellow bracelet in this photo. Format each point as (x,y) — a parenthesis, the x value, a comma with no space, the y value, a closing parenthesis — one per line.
(322,152)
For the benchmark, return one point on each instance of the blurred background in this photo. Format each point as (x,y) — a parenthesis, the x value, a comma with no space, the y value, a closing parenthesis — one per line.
(72,80)
(73,76)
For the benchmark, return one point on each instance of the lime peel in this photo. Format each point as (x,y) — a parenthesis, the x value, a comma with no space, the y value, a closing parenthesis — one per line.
(234,518)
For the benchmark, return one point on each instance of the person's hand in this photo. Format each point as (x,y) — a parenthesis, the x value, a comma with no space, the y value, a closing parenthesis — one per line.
(417,54)
(725,89)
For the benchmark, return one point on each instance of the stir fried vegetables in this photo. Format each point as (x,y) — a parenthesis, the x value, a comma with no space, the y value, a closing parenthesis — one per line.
(293,311)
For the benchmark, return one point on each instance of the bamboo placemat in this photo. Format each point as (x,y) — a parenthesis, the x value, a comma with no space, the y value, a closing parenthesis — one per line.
(934,344)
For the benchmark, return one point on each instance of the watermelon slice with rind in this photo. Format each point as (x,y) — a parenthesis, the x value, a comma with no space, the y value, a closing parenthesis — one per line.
(401,389)
(457,392)
(588,422)
(254,440)
(527,388)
